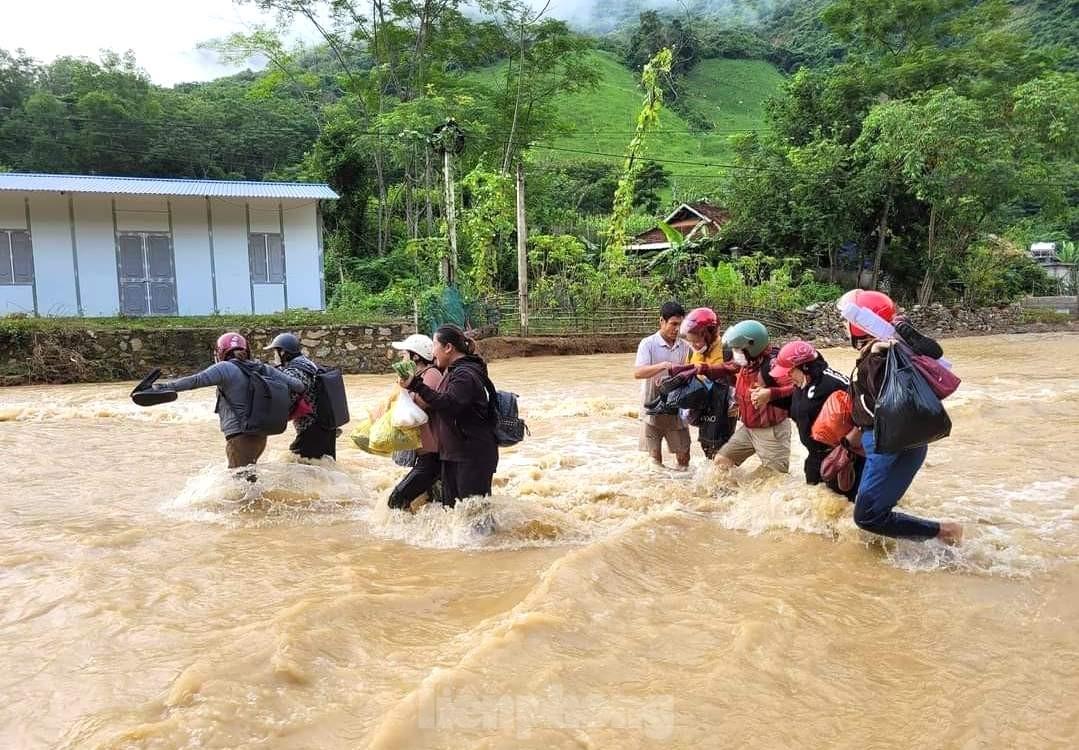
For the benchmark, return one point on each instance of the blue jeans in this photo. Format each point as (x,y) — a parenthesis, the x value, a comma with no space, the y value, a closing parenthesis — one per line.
(886,477)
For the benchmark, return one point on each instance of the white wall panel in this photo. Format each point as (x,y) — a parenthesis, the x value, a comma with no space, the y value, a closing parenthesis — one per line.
(269,298)
(54,269)
(302,267)
(230,254)
(142,214)
(16,299)
(97,255)
(12,211)
(191,248)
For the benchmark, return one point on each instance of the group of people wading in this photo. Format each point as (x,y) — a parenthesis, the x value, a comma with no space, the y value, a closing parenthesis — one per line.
(765,388)
(752,391)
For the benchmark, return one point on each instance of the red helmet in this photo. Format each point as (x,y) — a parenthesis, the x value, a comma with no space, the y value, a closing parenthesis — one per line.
(878,302)
(697,319)
(227,343)
(793,354)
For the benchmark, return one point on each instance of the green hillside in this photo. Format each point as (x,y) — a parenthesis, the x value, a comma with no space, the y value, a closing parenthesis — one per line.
(730,92)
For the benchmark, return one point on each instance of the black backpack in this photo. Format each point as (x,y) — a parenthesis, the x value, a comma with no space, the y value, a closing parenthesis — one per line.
(268,401)
(715,426)
(509,428)
(332,411)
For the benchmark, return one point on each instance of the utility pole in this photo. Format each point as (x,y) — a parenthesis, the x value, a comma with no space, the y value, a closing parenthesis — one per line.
(449,265)
(522,251)
(449,139)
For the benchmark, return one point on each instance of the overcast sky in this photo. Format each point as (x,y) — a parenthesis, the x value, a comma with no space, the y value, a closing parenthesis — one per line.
(164,34)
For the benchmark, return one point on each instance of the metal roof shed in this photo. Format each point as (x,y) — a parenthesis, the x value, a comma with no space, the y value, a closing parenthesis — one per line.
(97,246)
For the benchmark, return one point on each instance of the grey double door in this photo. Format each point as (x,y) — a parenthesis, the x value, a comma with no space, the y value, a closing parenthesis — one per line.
(147,274)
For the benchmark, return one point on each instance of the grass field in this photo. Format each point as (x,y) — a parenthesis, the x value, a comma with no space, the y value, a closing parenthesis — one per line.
(730,93)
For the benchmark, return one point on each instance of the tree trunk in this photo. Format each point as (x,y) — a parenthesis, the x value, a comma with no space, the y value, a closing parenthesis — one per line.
(427,191)
(449,266)
(522,251)
(882,232)
(925,293)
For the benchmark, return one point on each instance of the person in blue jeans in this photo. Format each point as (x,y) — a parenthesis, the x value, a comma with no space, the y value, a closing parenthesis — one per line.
(887,476)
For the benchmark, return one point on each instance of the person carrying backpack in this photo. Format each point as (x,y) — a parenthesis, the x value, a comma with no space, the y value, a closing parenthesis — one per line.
(314,437)
(232,373)
(463,415)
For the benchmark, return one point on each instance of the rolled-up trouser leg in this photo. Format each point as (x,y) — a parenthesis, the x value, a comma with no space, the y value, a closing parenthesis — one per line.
(244,449)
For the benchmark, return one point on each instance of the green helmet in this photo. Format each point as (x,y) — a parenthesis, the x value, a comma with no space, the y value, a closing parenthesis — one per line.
(750,335)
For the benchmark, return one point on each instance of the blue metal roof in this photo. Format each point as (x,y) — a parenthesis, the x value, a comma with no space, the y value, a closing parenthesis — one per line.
(75,183)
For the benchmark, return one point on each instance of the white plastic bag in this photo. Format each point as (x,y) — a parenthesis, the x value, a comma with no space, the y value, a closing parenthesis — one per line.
(405,413)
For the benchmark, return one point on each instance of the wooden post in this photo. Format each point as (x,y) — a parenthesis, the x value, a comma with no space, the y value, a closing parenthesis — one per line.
(522,251)
(449,265)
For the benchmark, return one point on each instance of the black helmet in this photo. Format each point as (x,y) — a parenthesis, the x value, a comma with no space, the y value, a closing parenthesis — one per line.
(286,342)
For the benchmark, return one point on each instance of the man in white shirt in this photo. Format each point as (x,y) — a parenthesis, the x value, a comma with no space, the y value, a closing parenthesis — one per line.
(656,355)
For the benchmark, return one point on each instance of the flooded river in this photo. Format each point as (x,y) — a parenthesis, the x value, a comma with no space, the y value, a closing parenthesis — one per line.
(152,601)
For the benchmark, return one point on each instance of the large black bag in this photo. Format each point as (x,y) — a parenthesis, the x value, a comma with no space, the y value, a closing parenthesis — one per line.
(268,401)
(683,391)
(332,401)
(908,413)
(693,395)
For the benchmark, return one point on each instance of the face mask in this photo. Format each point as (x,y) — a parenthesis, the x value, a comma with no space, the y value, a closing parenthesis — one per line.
(739,357)
(698,349)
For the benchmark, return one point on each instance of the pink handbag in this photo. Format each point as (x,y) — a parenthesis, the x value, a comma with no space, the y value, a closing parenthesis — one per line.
(943,381)
(300,409)
(839,464)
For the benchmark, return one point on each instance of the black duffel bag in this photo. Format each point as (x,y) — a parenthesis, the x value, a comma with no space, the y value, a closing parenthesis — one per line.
(908,413)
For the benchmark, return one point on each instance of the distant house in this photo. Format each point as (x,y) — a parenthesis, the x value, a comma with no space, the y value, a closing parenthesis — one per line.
(73,245)
(694,220)
(1045,253)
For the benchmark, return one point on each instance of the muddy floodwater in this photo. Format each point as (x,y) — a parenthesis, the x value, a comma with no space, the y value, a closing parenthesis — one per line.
(150,600)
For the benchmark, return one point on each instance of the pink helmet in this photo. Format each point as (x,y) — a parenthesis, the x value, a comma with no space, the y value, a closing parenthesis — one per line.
(228,343)
(697,319)
(793,354)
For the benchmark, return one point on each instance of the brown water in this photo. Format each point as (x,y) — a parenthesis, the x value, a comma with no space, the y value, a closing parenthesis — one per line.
(151,601)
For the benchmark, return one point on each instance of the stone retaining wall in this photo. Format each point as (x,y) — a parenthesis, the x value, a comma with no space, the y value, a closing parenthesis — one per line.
(79,355)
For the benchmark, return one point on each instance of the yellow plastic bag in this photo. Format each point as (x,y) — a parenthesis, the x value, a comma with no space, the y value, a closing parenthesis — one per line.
(387,438)
(361,438)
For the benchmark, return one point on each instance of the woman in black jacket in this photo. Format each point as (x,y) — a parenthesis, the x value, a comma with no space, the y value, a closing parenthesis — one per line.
(462,414)
(814,382)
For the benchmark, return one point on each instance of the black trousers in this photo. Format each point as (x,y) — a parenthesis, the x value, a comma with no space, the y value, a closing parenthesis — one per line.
(465,479)
(418,481)
(315,442)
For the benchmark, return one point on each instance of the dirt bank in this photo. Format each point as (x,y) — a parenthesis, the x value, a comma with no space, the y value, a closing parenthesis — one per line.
(508,347)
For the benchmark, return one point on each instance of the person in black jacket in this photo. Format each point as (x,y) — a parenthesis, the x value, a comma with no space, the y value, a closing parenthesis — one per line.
(463,417)
(814,382)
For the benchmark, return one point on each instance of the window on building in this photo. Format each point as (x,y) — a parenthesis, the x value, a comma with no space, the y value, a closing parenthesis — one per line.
(267,256)
(16,257)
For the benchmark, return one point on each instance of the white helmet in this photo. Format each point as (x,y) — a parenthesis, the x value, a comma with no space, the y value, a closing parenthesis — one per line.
(419,344)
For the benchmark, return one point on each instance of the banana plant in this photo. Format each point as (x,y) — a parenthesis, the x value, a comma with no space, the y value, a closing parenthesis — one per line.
(678,261)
